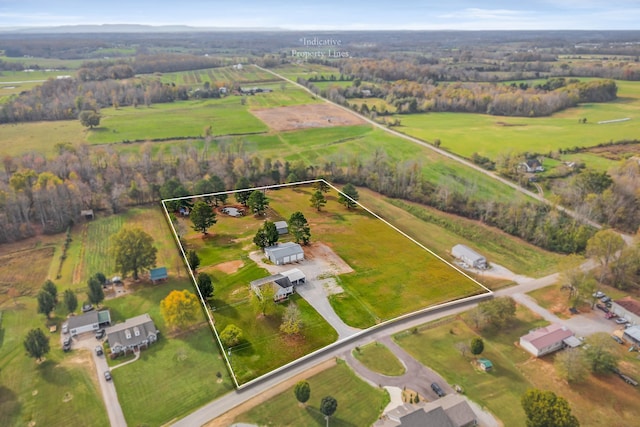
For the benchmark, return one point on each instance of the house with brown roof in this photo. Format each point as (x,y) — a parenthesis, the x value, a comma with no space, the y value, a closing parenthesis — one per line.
(628,308)
(547,339)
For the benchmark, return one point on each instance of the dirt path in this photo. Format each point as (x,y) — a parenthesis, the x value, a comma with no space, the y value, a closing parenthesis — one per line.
(227,418)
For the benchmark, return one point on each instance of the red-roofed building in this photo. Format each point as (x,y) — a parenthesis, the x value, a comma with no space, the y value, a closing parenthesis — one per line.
(546,340)
(627,308)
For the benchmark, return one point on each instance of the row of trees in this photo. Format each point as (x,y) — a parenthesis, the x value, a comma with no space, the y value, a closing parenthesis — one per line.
(409,97)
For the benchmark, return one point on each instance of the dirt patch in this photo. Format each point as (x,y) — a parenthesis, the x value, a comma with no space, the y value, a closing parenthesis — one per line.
(227,418)
(616,152)
(229,267)
(331,287)
(306,116)
(505,124)
(322,251)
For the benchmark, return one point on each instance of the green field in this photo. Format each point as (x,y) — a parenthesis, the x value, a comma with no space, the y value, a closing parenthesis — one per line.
(359,404)
(223,76)
(378,358)
(380,104)
(173,376)
(466,133)
(500,390)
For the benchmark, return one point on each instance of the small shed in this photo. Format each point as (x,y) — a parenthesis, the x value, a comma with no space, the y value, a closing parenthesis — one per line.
(632,335)
(87,213)
(281,227)
(485,364)
(469,257)
(158,274)
(284,253)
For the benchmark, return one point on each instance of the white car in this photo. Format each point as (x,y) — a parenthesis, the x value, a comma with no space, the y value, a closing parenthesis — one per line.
(598,294)
(621,320)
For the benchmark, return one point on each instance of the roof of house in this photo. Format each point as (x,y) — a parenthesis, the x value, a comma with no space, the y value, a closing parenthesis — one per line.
(279,279)
(158,273)
(451,410)
(280,224)
(462,250)
(294,274)
(284,249)
(143,324)
(84,319)
(436,417)
(629,304)
(633,332)
(546,336)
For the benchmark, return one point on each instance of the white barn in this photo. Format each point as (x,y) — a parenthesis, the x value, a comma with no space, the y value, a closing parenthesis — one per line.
(88,322)
(469,257)
(284,253)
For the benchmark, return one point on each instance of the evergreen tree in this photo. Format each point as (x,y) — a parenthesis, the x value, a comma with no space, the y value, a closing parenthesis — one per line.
(202,216)
(70,300)
(299,228)
(258,202)
(205,285)
(318,200)
(193,259)
(95,292)
(348,196)
(302,390)
(36,343)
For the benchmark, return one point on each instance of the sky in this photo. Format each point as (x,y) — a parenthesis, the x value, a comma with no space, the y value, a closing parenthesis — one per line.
(331,14)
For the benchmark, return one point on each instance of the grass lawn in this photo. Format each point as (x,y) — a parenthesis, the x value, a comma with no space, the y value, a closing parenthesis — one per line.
(500,390)
(378,358)
(61,391)
(173,376)
(41,137)
(359,404)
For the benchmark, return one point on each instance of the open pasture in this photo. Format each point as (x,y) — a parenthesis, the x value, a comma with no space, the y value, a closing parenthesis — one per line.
(175,120)
(379,104)
(223,76)
(306,116)
(466,133)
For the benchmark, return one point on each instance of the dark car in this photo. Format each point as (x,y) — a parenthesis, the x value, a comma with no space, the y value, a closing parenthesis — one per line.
(99,350)
(602,307)
(617,339)
(605,299)
(107,375)
(437,390)
(66,344)
(573,310)
(100,334)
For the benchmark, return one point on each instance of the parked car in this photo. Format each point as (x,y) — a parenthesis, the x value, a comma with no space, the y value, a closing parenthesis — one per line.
(605,299)
(87,307)
(66,344)
(107,375)
(599,294)
(65,328)
(99,350)
(437,390)
(100,334)
(617,339)
(610,315)
(602,307)
(621,321)
(573,310)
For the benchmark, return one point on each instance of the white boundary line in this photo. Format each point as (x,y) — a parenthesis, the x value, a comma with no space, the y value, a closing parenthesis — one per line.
(488,293)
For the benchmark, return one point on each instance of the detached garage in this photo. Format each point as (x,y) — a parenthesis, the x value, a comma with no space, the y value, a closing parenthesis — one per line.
(469,257)
(88,322)
(285,253)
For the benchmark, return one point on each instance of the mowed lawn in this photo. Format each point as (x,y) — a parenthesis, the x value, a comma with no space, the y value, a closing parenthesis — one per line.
(500,390)
(393,275)
(466,133)
(359,404)
(177,374)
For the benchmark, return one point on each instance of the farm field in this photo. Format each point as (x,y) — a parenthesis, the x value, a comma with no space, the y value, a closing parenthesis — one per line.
(359,404)
(306,70)
(465,133)
(223,76)
(441,231)
(349,233)
(380,104)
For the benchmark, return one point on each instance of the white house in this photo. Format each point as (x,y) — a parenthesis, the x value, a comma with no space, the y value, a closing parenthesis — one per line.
(283,283)
(281,227)
(88,322)
(547,339)
(284,253)
(627,308)
(469,257)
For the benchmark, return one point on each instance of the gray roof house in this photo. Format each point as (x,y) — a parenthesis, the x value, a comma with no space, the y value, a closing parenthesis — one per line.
(284,283)
(284,253)
(469,257)
(88,322)
(281,227)
(449,411)
(632,335)
(133,334)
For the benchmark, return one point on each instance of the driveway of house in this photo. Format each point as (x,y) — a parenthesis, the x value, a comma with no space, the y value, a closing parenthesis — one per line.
(88,342)
(319,284)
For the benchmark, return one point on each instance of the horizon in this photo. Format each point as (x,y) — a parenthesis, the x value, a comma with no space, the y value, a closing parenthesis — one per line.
(330,15)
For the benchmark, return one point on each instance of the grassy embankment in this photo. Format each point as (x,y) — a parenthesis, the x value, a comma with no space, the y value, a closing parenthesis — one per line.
(378,358)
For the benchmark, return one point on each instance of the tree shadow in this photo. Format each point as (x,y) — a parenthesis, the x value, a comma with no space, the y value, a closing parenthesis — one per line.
(53,373)
(9,406)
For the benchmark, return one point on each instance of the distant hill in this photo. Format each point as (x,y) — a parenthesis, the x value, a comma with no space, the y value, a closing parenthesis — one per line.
(124,28)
